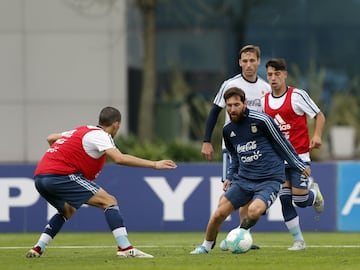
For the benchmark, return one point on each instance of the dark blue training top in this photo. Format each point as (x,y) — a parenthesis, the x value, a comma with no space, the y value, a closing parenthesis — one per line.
(258,149)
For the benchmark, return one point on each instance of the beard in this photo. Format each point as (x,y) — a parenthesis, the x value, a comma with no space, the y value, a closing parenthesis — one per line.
(235,117)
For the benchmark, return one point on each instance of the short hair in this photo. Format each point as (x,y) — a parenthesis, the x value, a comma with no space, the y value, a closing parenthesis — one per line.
(108,116)
(277,64)
(235,91)
(250,48)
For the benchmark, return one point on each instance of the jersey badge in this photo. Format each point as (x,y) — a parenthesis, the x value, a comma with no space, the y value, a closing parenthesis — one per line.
(254,128)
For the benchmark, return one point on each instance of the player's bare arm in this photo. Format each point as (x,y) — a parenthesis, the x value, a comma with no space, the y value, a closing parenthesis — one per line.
(53,138)
(129,160)
(316,140)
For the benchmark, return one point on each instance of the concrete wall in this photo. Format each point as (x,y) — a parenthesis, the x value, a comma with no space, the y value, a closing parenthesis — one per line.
(60,64)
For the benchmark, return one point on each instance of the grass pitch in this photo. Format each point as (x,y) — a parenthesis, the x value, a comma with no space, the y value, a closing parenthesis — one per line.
(171,250)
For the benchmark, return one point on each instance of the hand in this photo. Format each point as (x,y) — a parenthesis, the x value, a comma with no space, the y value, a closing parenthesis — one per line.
(164,164)
(226,185)
(207,150)
(315,142)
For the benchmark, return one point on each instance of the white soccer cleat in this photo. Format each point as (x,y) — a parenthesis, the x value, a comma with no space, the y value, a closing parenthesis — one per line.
(298,245)
(133,253)
(34,252)
(199,250)
(319,201)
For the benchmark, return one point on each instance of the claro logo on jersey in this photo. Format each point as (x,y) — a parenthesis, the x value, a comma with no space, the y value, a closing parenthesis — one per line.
(284,127)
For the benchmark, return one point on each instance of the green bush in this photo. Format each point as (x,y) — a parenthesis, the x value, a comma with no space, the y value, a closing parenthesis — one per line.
(177,151)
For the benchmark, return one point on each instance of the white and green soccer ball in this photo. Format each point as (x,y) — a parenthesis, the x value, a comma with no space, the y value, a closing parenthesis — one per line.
(239,240)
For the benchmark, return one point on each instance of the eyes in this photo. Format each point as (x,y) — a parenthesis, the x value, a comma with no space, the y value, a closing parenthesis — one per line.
(248,61)
(233,105)
(276,74)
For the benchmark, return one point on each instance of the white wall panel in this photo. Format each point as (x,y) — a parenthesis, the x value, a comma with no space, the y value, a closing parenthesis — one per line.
(11,68)
(13,137)
(66,65)
(11,15)
(60,65)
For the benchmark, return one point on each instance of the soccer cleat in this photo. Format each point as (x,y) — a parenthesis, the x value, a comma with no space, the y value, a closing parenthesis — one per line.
(199,250)
(319,201)
(254,246)
(298,245)
(223,246)
(34,252)
(132,253)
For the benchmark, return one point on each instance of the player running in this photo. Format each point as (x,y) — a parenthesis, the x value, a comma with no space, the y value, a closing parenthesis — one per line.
(289,107)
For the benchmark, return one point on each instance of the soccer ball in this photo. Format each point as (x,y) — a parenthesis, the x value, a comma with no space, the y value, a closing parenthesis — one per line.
(239,240)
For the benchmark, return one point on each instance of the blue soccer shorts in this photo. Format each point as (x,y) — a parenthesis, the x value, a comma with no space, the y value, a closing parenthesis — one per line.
(73,189)
(242,191)
(295,177)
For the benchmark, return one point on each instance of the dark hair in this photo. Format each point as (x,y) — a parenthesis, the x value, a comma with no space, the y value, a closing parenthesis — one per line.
(250,48)
(234,91)
(276,63)
(108,116)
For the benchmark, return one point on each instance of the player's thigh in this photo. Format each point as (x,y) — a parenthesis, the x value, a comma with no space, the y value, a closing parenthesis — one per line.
(299,183)
(237,195)
(267,191)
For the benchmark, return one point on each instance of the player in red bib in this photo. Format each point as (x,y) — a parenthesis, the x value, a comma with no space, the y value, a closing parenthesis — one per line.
(290,107)
(66,173)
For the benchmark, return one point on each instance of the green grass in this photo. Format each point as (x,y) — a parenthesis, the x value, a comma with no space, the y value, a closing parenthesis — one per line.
(171,251)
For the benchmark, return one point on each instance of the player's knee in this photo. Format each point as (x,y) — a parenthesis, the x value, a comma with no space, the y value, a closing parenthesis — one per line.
(302,201)
(218,217)
(109,200)
(255,211)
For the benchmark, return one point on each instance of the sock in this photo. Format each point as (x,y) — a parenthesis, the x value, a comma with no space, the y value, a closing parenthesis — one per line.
(304,200)
(50,231)
(208,244)
(117,226)
(294,228)
(287,207)
(247,223)
(122,240)
(113,217)
(290,215)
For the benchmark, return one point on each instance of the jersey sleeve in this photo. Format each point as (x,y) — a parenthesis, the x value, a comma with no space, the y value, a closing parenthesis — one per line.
(281,145)
(99,140)
(219,98)
(234,161)
(302,103)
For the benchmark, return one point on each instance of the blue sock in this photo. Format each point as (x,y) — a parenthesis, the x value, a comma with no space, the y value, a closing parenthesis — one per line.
(113,217)
(290,215)
(50,231)
(288,209)
(294,228)
(54,225)
(123,241)
(117,226)
(304,200)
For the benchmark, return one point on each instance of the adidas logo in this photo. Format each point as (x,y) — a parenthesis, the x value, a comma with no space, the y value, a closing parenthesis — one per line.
(232,134)
(281,123)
